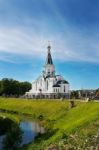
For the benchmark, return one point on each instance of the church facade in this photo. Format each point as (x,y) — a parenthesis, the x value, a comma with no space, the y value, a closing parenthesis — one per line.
(48,84)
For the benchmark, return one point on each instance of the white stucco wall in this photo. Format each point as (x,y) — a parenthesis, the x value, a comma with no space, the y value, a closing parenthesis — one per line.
(40,83)
(49,69)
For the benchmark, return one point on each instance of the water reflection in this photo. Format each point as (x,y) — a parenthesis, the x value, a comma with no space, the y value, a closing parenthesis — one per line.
(30,130)
(13,138)
(1,141)
(18,135)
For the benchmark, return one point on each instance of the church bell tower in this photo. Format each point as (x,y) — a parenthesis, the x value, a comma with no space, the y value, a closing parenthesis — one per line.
(49,69)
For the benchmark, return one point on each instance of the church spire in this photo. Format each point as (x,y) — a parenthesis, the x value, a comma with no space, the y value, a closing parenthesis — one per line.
(49,69)
(49,58)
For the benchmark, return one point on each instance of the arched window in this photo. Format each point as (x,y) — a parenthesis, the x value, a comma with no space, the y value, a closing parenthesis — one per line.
(36,86)
(47,85)
(48,71)
(64,89)
(58,90)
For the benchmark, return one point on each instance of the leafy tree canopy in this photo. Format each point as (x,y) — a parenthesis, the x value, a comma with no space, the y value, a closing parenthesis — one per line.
(10,87)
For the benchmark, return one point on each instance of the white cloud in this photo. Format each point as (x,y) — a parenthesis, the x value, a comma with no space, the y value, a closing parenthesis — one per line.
(18,41)
(70,46)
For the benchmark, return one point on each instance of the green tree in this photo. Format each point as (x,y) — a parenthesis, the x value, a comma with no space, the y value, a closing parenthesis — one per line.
(10,87)
(74,94)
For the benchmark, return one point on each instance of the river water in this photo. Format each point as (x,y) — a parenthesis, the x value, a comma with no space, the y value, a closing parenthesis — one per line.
(30,131)
(27,130)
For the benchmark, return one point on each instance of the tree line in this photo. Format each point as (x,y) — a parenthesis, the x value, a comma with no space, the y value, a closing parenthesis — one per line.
(13,88)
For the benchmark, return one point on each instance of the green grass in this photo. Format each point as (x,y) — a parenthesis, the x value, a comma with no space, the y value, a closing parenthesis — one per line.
(58,118)
(10,116)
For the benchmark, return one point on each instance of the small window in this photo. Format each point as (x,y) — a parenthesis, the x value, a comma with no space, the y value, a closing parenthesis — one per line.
(64,89)
(47,85)
(36,86)
(58,90)
(48,72)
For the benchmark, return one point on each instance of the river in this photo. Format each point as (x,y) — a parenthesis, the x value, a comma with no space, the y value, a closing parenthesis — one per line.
(25,133)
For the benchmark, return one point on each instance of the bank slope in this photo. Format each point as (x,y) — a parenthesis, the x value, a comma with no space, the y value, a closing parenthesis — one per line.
(62,123)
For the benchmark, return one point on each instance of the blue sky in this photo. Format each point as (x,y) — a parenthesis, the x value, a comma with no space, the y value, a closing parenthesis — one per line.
(72,26)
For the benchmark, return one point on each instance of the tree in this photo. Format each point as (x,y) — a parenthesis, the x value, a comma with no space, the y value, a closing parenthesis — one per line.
(10,87)
(74,94)
(97,93)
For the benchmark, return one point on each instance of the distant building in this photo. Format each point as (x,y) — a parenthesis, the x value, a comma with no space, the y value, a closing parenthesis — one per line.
(87,93)
(84,93)
(48,84)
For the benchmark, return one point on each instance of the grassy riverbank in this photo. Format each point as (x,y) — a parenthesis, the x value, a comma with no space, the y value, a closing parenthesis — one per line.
(10,116)
(64,125)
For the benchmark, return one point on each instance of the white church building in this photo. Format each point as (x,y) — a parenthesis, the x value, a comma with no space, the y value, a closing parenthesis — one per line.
(48,84)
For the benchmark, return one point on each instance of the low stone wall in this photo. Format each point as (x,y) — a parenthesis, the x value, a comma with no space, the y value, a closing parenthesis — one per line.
(47,96)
